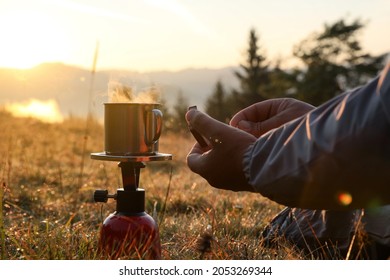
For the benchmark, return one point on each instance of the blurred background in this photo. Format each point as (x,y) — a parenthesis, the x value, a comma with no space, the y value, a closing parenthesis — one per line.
(58,57)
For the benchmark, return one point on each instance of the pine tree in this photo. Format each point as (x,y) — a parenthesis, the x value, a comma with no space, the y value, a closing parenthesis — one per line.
(179,123)
(216,104)
(254,76)
(167,116)
(335,62)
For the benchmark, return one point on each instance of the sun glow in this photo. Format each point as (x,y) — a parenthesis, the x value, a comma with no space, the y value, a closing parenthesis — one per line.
(47,111)
(30,38)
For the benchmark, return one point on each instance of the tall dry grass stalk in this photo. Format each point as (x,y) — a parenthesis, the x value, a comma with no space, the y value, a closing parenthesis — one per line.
(2,232)
(166,199)
(5,181)
(89,115)
(358,229)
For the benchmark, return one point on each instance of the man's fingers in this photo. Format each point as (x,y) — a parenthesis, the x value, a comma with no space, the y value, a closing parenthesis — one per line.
(197,160)
(202,123)
(264,116)
(197,149)
(194,162)
(256,112)
(258,128)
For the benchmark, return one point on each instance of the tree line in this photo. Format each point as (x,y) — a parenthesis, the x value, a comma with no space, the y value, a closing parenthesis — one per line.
(333,61)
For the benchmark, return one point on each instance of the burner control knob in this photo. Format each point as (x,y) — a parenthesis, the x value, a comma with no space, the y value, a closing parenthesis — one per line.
(100,196)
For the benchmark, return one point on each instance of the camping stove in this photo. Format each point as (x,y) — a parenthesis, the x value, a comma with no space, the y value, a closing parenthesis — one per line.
(129,232)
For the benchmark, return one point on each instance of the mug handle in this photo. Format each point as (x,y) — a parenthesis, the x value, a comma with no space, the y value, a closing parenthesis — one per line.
(153,126)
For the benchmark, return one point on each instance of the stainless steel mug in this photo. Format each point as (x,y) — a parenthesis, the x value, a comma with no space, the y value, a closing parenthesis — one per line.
(132,129)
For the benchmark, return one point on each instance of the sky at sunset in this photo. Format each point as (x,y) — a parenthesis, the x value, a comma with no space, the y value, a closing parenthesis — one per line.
(148,35)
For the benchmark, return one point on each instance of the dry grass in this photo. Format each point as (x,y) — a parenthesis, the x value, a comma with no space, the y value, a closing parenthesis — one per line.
(47,215)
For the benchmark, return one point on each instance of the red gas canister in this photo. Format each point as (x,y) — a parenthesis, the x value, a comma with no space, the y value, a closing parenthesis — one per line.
(130,232)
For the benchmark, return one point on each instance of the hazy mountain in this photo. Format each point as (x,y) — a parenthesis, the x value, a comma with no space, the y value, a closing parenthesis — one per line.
(71,86)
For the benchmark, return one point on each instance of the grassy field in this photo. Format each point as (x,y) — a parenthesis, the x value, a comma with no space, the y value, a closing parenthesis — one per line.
(47,208)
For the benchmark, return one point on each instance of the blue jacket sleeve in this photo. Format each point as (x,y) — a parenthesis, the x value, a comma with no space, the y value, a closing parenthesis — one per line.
(335,157)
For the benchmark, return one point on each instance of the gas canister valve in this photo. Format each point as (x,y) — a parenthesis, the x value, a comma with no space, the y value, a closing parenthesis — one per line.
(102,196)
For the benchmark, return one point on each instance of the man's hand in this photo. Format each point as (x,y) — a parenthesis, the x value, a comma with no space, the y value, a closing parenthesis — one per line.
(269,114)
(221,162)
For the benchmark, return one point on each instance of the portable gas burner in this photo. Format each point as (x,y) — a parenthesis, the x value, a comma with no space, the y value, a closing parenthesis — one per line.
(130,231)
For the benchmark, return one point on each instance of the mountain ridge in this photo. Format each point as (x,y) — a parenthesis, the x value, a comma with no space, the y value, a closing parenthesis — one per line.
(70,85)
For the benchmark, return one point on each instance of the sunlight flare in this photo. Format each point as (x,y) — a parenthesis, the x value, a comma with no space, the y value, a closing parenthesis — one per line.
(47,111)
(31,38)
(344,198)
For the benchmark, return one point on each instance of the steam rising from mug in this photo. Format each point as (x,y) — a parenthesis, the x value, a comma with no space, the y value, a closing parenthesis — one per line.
(132,124)
(119,93)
